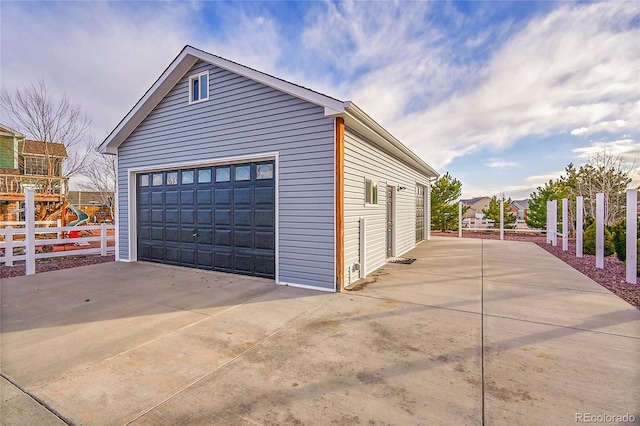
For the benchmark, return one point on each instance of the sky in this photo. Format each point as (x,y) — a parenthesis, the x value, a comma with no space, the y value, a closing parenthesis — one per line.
(502,95)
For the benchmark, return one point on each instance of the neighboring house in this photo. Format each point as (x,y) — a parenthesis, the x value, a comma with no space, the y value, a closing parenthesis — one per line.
(520,209)
(476,205)
(26,163)
(224,167)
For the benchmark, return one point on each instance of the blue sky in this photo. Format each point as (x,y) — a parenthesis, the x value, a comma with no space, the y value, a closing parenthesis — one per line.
(503,95)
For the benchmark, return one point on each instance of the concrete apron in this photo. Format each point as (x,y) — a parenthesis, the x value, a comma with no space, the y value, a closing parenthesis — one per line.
(472,332)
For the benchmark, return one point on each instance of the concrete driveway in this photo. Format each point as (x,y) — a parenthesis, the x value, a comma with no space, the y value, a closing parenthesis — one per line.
(473,332)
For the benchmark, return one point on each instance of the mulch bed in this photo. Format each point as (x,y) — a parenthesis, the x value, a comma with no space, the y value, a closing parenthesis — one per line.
(612,277)
(54,264)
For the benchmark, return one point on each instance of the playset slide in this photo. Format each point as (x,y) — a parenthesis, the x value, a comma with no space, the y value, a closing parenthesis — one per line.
(83,218)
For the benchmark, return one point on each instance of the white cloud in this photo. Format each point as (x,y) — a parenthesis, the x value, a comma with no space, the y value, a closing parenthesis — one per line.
(575,67)
(501,164)
(627,149)
(604,126)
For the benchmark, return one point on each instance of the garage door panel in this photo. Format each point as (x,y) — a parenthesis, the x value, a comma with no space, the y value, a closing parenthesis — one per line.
(172,255)
(187,197)
(264,218)
(242,217)
(264,195)
(205,236)
(144,215)
(222,196)
(172,216)
(188,255)
(157,233)
(144,251)
(242,196)
(157,252)
(222,238)
(205,259)
(222,260)
(144,199)
(243,239)
(203,217)
(265,240)
(264,265)
(157,198)
(243,263)
(172,233)
(157,215)
(187,216)
(220,218)
(203,197)
(171,198)
(144,232)
(186,235)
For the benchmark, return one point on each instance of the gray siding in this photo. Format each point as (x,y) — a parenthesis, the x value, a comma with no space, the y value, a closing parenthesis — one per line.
(362,160)
(243,118)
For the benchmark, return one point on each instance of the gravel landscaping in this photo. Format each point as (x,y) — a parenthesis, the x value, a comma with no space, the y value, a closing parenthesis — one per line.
(612,277)
(54,264)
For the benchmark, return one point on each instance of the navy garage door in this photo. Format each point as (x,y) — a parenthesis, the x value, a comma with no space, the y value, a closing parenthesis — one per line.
(220,218)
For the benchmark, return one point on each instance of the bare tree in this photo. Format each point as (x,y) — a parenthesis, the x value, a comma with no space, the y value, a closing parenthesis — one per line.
(35,112)
(100,177)
(604,172)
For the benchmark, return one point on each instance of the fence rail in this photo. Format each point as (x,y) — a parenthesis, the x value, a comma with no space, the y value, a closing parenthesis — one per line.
(12,249)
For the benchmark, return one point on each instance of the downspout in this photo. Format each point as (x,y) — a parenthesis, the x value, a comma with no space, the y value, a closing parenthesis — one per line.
(340,204)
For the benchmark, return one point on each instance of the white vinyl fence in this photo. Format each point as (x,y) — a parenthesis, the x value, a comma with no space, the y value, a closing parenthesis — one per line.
(632,229)
(22,243)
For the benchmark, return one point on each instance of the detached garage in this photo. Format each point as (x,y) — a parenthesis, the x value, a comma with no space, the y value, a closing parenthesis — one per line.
(225,168)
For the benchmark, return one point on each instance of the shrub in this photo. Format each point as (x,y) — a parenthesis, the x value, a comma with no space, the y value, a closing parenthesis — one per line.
(589,244)
(619,231)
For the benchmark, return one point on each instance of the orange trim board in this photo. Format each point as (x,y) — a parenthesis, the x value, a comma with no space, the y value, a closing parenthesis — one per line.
(340,203)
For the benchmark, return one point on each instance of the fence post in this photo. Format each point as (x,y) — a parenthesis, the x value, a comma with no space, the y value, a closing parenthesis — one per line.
(30,231)
(502,219)
(632,236)
(103,239)
(565,224)
(600,230)
(579,224)
(427,211)
(554,223)
(459,219)
(8,247)
(548,227)
(58,225)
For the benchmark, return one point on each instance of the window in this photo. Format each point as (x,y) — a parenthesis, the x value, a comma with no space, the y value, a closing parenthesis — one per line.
(264,171)
(370,192)
(172,178)
(204,176)
(144,180)
(199,87)
(156,179)
(187,177)
(243,172)
(223,174)
(35,166)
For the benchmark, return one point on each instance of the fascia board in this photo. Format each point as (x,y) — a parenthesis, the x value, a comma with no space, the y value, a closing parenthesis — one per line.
(269,80)
(365,125)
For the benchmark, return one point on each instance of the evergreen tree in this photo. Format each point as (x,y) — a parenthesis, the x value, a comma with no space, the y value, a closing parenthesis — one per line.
(493,212)
(445,193)
(552,190)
